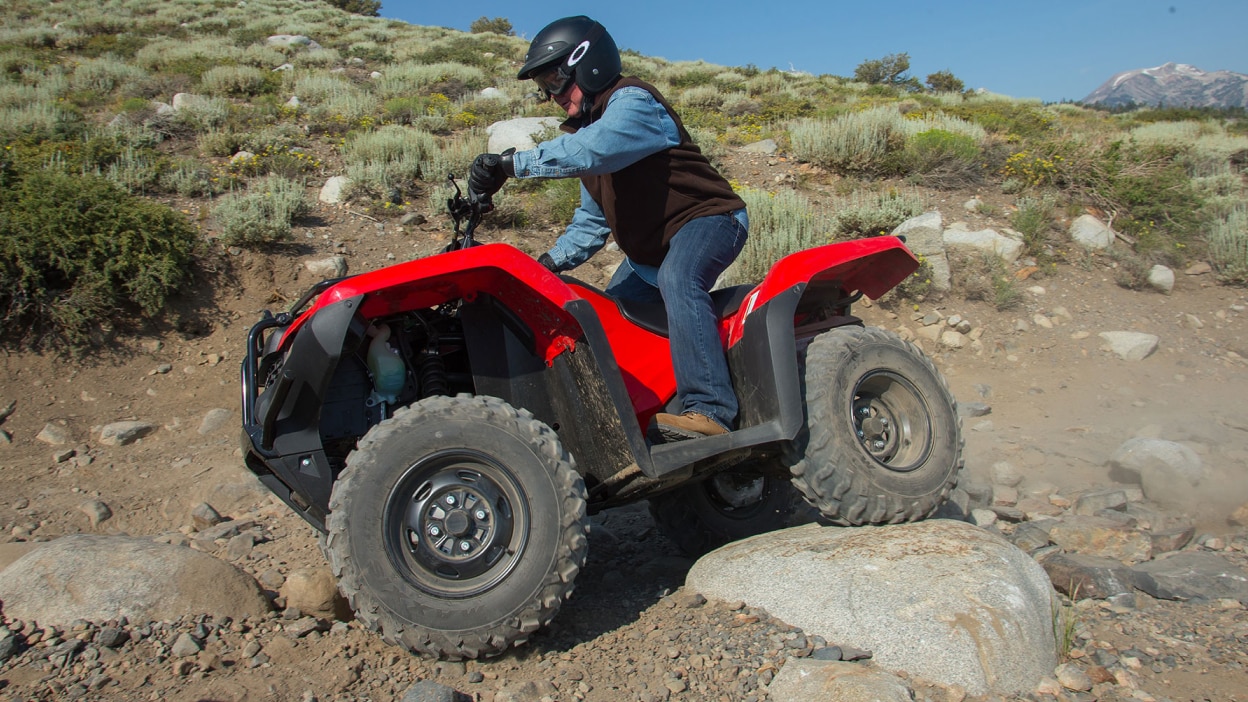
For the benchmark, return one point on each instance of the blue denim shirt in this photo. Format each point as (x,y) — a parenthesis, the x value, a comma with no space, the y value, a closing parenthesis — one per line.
(633,126)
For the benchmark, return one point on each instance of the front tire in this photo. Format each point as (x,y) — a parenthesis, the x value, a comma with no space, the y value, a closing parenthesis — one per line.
(458,527)
(882,442)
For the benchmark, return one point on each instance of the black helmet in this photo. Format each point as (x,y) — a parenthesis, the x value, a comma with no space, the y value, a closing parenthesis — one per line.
(580,48)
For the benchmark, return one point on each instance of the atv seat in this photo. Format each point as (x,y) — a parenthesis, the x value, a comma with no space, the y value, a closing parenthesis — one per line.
(652,316)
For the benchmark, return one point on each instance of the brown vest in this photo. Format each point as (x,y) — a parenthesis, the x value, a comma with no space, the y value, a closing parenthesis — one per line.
(648,202)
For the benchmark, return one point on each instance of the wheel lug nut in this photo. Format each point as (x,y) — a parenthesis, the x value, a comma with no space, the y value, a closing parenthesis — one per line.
(450,499)
(480,514)
(435,531)
(464,546)
(879,445)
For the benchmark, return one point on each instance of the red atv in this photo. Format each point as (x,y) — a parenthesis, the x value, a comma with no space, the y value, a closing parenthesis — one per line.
(449,423)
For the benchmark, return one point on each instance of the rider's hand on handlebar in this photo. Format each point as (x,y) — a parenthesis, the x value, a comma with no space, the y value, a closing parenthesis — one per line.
(487,174)
(548,262)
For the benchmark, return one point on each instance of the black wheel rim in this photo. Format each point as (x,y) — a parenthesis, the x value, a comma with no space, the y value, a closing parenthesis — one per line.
(456,524)
(891,421)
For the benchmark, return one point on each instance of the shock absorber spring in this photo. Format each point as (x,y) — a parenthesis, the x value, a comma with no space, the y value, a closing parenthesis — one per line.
(432,374)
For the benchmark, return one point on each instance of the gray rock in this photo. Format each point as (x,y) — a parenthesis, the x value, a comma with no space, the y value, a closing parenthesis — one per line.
(293,41)
(204,516)
(1090,233)
(974,409)
(1083,577)
(1167,540)
(518,133)
(988,604)
(1094,501)
(102,578)
(314,591)
(924,236)
(8,647)
(331,192)
(1096,536)
(225,530)
(811,680)
(182,101)
(215,420)
(325,268)
(54,434)
(766,146)
(1161,279)
(1130,346)
(97,512)
(185,646)
(1169,472)
(1072,677)
(125,433)
(1030,536)
(1193,575)
(429,691)
(1005,473)
(987,241)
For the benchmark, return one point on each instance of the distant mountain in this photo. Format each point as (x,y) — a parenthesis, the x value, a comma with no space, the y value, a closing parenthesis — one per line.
(1173,85)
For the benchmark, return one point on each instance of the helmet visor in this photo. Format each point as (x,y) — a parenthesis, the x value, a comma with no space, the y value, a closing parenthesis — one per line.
(553,82)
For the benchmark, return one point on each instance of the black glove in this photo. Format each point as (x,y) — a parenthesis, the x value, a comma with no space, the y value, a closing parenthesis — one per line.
(548,262)
(487,174)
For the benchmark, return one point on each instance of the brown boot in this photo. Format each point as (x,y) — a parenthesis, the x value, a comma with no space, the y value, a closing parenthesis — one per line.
(690,425)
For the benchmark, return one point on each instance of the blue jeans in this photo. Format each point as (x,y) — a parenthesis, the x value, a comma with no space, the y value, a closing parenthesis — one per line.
(696,256)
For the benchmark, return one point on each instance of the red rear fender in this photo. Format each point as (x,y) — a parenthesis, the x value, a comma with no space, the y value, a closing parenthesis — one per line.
(873,266)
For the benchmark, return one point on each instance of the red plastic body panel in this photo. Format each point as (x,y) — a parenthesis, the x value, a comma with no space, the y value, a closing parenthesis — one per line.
(873,266)
(539,299)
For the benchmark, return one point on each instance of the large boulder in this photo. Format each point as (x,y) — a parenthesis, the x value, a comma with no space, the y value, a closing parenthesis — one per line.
(1091,233)
(518,133)
(941,599)
(103,578)
(924,237)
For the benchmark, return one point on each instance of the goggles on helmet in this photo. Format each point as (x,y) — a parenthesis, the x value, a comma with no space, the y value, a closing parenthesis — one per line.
(554,81)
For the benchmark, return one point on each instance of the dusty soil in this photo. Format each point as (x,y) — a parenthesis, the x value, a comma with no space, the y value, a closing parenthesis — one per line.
(1060,405)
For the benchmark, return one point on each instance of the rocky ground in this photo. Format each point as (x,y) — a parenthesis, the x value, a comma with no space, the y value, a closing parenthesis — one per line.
(1053,408)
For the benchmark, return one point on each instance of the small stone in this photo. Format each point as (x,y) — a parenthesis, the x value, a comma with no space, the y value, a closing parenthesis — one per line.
(125,433)
(54,434)
(1072,677)
(97,512)
(203,515)
(185,646)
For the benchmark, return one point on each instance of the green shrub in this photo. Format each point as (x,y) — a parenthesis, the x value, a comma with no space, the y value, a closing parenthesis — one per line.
(942,159)
(77,251)
(498,25)
(1228,246)
(262,214)
(191,178)
(105,74)
(869,142)
(40,121)
(781,223)
(1034,220)
(874,214)
(385,164)
(236,81)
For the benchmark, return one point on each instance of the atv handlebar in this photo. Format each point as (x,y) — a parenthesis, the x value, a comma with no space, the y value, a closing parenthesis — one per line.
(466,212)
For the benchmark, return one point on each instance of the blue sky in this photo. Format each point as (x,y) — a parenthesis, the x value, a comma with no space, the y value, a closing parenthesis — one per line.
(1047,49)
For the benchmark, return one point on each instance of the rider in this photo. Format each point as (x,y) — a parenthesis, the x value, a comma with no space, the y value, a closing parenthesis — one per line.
(646,183)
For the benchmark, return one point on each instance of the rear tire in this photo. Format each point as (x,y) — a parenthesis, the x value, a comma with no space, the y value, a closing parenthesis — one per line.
(458,527)
(882,442)
(728,506)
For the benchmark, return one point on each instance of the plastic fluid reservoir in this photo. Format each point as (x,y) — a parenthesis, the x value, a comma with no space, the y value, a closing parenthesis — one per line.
(389,372)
